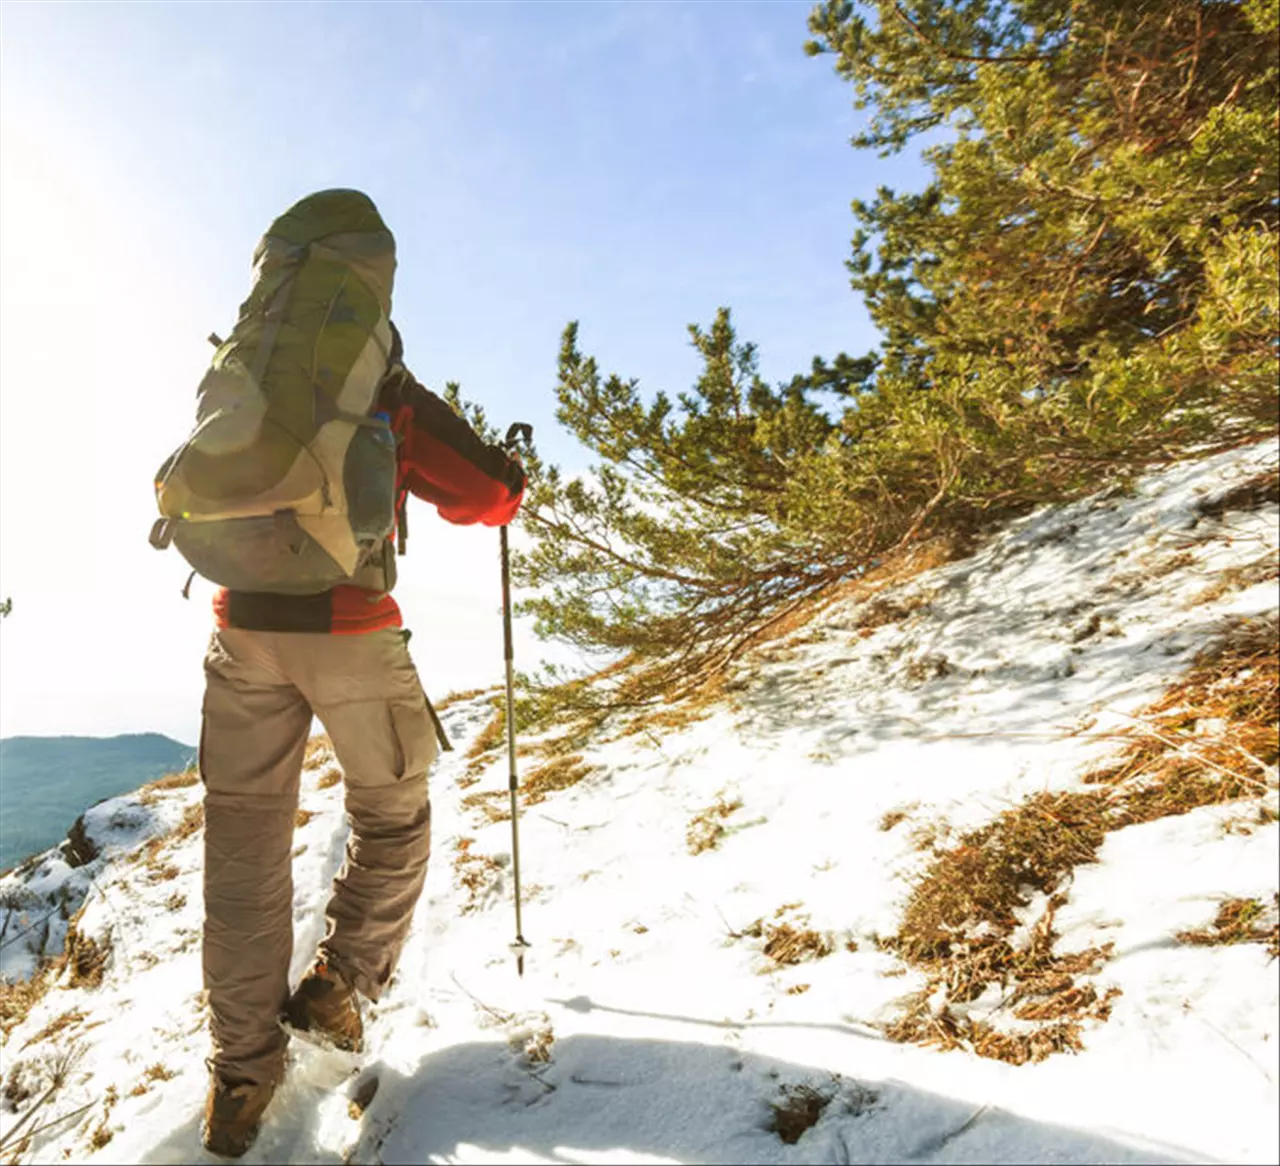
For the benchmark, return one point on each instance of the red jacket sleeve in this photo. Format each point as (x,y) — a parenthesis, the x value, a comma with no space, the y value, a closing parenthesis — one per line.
(442,459)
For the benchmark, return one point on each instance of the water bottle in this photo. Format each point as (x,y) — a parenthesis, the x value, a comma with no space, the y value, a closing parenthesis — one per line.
(369,477)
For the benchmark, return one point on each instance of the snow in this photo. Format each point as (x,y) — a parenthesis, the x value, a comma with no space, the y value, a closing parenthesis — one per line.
(648,1027)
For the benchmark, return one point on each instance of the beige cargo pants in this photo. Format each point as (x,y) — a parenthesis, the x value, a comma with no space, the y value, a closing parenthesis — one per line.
(261,691)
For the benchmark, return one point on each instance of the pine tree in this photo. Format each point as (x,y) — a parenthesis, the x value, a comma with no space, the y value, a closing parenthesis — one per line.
(1096,254)
(685,536)
(1087,284)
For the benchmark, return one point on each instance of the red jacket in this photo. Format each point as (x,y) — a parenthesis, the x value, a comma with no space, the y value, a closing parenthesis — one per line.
(442,461)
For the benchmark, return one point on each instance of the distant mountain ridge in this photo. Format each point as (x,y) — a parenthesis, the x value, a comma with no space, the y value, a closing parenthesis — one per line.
(45,782)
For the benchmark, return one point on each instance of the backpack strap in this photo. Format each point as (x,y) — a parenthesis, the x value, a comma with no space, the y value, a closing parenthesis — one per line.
(402,522)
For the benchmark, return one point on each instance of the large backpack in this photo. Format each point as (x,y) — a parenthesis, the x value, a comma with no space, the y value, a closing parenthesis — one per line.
(287,482)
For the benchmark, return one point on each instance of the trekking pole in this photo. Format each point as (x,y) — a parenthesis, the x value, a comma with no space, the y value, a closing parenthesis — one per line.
(518,430)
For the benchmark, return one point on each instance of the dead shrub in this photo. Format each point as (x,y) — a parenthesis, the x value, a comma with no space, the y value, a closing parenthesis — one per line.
(301,817)
(329,778)
(21,1083)
(80,849)
(175,902)
(798,1110)
(84,959)
(1240,921)
(101,1136)
(707,827)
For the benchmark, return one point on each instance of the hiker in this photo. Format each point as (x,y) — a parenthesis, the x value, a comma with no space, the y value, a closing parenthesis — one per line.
(340,654)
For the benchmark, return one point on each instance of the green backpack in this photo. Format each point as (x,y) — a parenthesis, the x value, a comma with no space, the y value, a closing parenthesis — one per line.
(287,482)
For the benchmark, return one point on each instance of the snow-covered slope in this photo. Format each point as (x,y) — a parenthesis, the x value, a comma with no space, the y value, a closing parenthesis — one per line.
(650,1025)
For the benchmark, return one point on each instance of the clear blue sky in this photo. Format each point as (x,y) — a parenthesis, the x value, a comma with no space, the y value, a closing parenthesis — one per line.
(632,166)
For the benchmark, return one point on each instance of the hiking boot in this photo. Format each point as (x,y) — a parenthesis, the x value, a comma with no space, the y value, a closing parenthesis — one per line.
(324,1007)
(233,1114)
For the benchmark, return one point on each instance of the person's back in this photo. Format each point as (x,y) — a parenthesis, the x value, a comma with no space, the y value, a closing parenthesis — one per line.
(275,660)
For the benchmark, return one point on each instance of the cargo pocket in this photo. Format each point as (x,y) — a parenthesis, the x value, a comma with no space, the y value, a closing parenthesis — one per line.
(415,739)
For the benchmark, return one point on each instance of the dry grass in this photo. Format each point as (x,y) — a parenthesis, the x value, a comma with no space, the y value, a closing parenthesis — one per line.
(192,822)
(329,778)
(787,942)
(1240,921)
(301,817)
(458,697)
(1260,815)
(561,773)
(707,826)
(881,610)
(183,780)
(17,999)
(558,774)
(494,804)
(1170,563)
(1249,495)
(682,711)
(893,817)
(537,1049)
(490,739)
(959,923)
(786,945)
(175,902)
(1261,570)
(57,1025)
(100,1137)
(492,735)
(1213,737)
(319,750)
(931,666)
(474,873)
(798,1110)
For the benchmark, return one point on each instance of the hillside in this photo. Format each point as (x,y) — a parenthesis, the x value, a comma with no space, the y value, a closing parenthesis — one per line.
(46,781)
(978,867)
